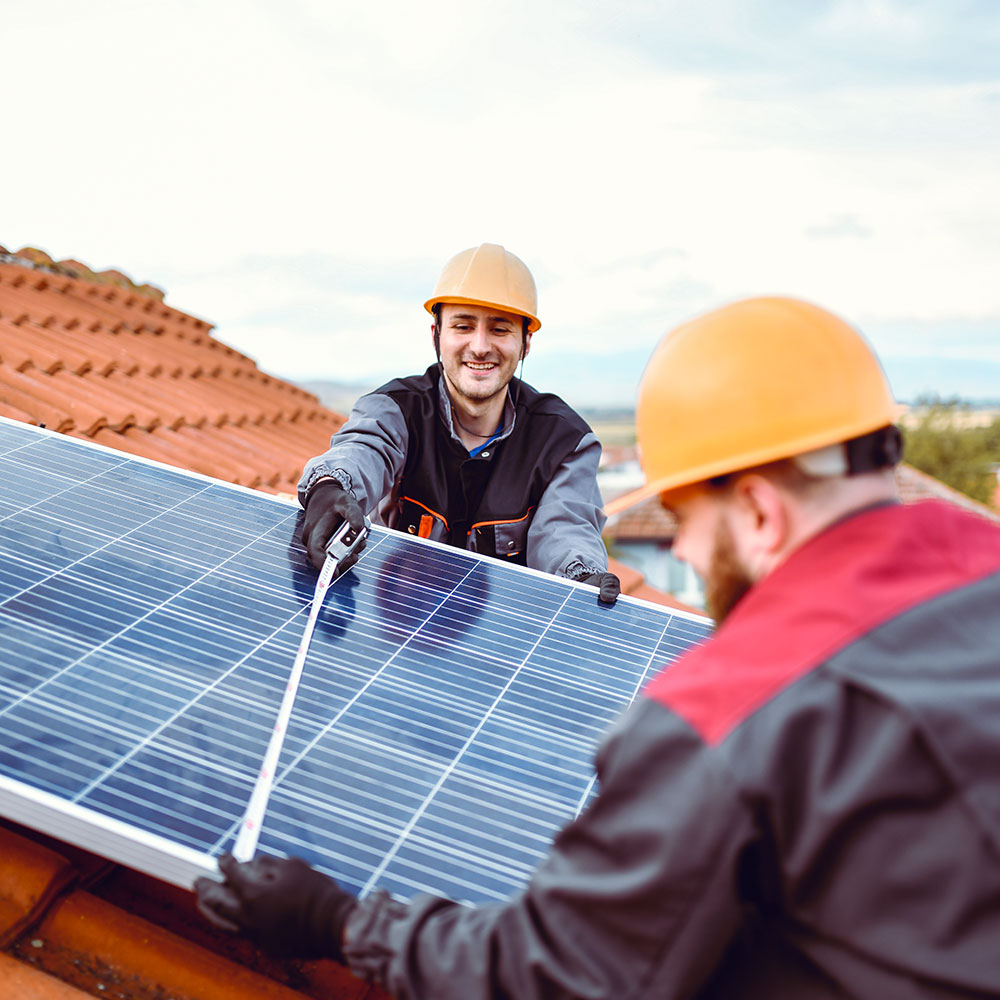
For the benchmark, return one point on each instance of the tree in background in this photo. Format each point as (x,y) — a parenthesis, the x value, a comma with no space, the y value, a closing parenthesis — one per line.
(943,440)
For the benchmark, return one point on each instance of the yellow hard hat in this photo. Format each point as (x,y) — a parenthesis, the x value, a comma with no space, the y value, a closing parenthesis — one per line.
(488,275)
(754,382)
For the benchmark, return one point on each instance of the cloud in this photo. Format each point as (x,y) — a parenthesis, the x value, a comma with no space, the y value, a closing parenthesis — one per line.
(838,226)
(769,45)
(299,174)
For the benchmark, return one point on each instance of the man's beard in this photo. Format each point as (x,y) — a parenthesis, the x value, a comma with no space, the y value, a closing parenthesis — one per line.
(727,579)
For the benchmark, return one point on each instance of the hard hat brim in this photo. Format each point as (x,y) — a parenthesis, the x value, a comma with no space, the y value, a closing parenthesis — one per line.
(458,300)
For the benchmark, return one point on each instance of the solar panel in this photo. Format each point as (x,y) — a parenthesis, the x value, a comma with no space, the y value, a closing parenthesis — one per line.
(446,719)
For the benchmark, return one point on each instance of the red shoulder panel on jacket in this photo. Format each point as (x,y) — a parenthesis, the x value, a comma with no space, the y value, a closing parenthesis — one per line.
(837,587)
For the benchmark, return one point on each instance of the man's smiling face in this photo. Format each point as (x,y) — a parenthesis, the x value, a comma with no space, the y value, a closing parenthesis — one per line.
(480,349)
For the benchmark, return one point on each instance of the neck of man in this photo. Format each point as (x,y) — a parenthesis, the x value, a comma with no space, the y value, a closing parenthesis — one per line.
(475,420)
(834,501)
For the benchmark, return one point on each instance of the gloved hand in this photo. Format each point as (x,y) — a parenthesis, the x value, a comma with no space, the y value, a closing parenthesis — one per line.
(327,507)
(285,906)
(609,586)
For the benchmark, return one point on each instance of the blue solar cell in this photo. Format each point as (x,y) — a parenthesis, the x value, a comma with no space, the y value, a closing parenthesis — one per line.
(19,484)
(57,750)
(14,436)
(32,655)
(124,568)
(72,608)
(66,457)
(446,718)
(48,542)
(167,792)
(152,485)
(17,576)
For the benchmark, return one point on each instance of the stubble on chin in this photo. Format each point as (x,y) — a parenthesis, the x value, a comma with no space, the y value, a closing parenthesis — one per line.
(471,389)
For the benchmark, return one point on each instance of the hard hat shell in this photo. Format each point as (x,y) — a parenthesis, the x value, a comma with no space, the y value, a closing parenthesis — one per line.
(753,382)
(488,275)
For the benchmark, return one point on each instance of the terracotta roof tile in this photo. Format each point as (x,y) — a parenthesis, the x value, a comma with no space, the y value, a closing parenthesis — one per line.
(45,403)
(224,451)
(14,412)
(150,392)
(915,485)
(74,926)
(75,348)
(646,520)
(21,980)
(634,584)
(21,349)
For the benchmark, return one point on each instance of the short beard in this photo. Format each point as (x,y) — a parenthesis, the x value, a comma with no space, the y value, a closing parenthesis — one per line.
(727,580)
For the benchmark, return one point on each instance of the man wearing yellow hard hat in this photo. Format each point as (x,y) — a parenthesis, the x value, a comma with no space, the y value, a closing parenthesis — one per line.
(805,806)
(466,453)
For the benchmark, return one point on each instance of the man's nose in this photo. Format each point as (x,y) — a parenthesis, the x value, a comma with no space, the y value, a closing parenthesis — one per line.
(479,342)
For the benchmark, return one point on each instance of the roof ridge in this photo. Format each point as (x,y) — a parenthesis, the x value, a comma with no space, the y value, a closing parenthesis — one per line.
(37,259)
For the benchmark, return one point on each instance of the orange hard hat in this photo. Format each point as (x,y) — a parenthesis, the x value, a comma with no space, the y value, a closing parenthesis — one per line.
(750,383)
(488,275)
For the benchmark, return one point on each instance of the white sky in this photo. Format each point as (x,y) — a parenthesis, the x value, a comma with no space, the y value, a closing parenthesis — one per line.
(297,173)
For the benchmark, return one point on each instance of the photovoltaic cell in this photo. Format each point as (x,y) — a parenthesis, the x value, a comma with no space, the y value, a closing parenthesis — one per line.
(445,722)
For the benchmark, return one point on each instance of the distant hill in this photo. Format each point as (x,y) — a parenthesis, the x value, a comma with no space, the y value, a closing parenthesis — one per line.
(973,381)
(602,383)
(338,396)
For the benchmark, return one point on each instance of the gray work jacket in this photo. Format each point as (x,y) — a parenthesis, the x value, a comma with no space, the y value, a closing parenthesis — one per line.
(529,497)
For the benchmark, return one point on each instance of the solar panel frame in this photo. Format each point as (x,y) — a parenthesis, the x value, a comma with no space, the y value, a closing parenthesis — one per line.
(140,596)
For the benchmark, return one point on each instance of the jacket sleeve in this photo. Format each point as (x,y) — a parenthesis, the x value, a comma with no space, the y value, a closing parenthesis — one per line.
(637,898)
(565,533)
(366,455)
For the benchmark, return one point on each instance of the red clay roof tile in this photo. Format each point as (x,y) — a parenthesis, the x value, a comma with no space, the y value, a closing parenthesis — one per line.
(14,352)
(45,403)
(116,411)
(642,520)
(21,350)
(76,356)
(75,926)
(21,980)
(915,485)
(149,393)
(14,412)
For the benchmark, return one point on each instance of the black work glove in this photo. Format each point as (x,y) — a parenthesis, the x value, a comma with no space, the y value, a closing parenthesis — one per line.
(609,586)
(327,507)
(286,907)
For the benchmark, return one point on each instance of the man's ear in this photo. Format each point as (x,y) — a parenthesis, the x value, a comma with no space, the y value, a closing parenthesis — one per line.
(527,345)
(763,517)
